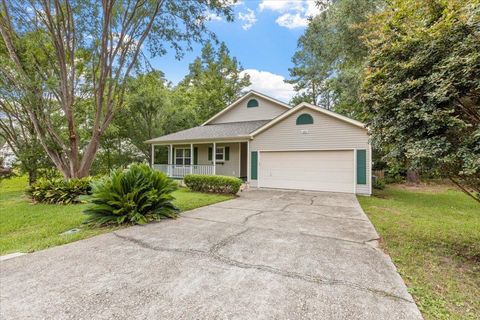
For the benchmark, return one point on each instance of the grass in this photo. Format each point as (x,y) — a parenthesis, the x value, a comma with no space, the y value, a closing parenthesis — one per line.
(28,227)
(433,236)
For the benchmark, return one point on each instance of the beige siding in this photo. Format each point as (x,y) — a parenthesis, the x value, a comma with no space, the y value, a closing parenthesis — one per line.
(229,167)
(326,133)
(266,110)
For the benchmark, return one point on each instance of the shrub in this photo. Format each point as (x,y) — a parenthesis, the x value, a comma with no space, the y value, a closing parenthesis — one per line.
(59,191)
(135,195)
(215,184)
(378,184)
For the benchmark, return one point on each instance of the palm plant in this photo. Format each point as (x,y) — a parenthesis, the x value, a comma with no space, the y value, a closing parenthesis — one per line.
(136,195)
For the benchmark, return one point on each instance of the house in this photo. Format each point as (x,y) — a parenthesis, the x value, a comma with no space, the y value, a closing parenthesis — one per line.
(7,156)
(272,145)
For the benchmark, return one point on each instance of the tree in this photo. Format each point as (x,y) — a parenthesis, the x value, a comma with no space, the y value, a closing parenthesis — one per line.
(61,53)
(214,81)
(329,61)
(146,111)
(422,89)
(17,131)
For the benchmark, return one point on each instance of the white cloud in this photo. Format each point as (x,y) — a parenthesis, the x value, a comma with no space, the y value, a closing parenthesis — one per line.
(293,13)
(270,84)
(248,19)
(292,21)
(281,5)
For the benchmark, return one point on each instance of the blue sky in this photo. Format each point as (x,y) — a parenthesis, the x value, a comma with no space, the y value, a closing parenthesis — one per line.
(263,38)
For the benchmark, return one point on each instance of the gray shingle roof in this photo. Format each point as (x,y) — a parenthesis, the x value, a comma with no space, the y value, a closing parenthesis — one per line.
(232,130)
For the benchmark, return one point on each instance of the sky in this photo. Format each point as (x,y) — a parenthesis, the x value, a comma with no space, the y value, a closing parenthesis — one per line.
(263,38)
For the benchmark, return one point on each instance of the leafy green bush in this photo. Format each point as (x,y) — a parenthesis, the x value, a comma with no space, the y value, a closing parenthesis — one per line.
(59,191)
(215,184)
(135,195)
(378,184)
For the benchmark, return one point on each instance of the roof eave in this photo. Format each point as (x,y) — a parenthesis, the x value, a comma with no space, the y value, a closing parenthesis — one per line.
(205,140)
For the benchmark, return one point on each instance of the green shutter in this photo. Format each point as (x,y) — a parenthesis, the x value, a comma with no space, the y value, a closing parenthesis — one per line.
(195,155)
(209,153)
(173,155)
(227,153)
(361,166)
(254,163)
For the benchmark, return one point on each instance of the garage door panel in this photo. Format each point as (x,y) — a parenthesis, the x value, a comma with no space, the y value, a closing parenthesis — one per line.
(307,170)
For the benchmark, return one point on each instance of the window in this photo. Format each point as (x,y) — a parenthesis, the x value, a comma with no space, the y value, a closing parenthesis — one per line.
(220,154)
(252,103)
(182,157)
(304,118)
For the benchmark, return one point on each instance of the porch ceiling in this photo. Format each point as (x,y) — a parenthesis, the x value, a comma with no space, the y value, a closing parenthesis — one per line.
(212,132)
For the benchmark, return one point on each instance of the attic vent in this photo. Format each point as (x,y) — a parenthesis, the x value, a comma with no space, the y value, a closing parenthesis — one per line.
(252,103)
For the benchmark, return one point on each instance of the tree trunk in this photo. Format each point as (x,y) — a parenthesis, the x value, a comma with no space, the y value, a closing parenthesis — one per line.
(413,176)
(32,177)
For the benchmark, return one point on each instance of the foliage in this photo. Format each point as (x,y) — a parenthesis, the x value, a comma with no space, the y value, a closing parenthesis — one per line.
(330,56)
(147,107)
(378,184)
(18,132)
(431,234)
(59,190)
(215,184)
(28,228)
(422,90)
(215,80)
(152,104)
(70,62)
(136,195)
(116,148)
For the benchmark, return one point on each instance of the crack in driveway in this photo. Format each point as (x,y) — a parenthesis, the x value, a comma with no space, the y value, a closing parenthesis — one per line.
(213,253)
(366,242)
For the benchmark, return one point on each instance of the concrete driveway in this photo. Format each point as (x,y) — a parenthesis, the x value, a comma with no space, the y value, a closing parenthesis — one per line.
(266,255)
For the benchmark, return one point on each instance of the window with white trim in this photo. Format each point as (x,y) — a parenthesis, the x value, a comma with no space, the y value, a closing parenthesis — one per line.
(220,154)
(183,156)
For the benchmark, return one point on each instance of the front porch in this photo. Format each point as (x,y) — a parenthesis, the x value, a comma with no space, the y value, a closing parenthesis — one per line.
(228,158)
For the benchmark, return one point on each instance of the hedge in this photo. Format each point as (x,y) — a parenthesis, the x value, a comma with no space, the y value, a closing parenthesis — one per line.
(214,184)
(59,191)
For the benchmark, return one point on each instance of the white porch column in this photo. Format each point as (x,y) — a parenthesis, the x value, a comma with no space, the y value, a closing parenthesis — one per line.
(214,158)
(191,158)
(170,155)
(153,155)
(239,159)
(248,160)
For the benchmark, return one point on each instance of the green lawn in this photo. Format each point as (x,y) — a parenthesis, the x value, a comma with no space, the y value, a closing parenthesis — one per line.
(433,236)
(28,227)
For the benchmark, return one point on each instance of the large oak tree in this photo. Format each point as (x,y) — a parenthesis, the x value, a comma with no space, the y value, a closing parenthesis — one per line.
(69,59)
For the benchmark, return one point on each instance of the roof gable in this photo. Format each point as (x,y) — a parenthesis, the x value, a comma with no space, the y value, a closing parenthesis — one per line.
(242,110)
(309,106)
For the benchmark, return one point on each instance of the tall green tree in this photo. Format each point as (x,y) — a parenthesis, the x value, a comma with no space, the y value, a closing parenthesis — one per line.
(145,112)
(214,81)
(17,130)
(330,57)
(422,87)
(87,50)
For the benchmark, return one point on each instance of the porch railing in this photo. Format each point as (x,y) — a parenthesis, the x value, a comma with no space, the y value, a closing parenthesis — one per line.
(179,171)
